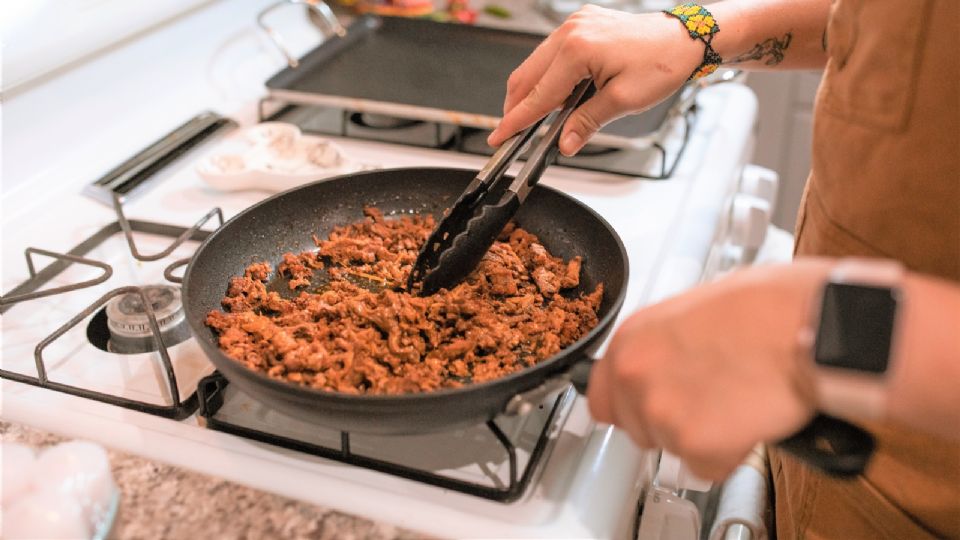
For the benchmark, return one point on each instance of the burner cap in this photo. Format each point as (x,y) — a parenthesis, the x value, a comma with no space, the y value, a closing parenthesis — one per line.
(130,327)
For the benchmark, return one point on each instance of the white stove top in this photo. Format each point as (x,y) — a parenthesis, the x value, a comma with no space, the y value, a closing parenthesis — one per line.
(67,131)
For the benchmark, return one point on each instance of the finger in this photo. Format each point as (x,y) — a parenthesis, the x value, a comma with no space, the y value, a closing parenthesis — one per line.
(713,466)
(629,415)
(598,394)
(603,378)
(611,400)
(605,106)
(545,96)
(531,70)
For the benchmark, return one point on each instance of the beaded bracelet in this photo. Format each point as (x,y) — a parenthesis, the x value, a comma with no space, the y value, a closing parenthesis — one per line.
(699,22)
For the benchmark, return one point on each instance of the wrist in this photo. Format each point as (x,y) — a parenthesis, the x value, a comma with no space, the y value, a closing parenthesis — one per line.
(697,23)
(735,20)
(686,54)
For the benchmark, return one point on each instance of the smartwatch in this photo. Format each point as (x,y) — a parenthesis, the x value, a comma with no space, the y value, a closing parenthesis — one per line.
(853,337)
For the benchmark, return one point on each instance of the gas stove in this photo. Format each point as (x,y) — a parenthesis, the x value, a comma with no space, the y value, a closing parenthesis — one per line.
(84,362)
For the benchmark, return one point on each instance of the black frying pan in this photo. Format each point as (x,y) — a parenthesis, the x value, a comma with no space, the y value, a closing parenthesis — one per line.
(285,223)
(566,227)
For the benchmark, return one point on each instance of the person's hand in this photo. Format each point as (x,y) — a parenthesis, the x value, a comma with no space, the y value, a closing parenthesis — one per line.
(636,61)
(708,374)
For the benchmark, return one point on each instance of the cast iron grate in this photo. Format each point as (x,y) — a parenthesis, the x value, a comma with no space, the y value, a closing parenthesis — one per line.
(212,389)
(179,408)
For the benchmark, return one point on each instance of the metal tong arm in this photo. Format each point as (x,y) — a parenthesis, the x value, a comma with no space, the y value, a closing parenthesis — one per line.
(486,205)
(508,152)
(546,149)
(455,219)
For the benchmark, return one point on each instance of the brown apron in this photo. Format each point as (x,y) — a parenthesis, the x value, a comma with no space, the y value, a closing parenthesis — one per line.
(885,182)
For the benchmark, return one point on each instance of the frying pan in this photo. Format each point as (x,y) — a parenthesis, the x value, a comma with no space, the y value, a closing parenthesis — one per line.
(566,228)
(285,222)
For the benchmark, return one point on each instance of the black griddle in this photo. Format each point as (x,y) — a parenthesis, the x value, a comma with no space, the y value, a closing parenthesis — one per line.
(419,62)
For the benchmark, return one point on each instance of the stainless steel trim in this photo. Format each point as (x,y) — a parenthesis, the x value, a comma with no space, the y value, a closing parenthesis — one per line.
(449,117)
(737,531)
(136,173)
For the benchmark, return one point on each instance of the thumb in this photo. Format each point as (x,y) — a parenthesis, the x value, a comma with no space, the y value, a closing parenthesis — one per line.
(598,111)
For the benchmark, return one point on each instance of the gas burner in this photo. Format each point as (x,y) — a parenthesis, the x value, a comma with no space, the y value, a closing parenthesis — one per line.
(129,330)
(129,323)
(382,121)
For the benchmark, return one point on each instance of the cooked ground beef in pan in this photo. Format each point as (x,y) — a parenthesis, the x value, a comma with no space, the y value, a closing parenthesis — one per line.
(357,330)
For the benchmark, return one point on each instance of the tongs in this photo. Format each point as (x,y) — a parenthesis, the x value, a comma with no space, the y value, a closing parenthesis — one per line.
(471,225)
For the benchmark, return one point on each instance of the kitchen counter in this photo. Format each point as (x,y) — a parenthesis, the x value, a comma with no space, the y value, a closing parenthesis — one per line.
(163,501)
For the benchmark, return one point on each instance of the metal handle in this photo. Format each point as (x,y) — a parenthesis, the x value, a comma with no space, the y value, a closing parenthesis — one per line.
(546,149)
(317,6)
(135,174)
(577,375)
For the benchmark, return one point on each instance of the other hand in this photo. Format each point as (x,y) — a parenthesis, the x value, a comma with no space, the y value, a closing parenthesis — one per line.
(710,373)
(635,61)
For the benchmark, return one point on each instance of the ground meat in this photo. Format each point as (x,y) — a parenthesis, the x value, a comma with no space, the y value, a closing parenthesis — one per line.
(360,331)
(299,268)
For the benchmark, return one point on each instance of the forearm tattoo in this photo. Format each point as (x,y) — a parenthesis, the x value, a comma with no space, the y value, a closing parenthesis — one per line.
(771,49)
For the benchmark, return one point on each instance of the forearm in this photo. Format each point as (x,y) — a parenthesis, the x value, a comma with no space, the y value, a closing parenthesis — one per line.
(764,34)
(926,371)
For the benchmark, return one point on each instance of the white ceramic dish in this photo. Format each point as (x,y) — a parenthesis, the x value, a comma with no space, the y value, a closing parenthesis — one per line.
(273,157)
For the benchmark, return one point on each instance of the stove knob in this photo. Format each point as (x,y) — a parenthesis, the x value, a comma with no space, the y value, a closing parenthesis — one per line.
(749,218)
(760,182)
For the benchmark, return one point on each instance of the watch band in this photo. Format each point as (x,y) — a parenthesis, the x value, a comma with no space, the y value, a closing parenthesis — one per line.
(872,272)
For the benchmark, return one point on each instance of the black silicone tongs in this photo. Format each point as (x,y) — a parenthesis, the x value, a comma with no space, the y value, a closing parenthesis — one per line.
(471,225)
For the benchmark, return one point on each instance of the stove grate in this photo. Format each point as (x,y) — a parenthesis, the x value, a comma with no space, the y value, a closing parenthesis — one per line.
(211,392)
(30,290)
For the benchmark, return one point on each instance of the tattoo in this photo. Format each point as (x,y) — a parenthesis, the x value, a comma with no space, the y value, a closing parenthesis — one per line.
(772,49)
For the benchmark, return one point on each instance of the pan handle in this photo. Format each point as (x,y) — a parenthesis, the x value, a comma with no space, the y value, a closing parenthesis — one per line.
(577,374)
(832,445)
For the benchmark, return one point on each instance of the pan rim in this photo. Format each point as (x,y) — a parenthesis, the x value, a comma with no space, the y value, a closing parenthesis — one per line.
(383,399)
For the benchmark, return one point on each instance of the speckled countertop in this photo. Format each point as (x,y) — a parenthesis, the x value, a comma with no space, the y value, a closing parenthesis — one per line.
(160,501)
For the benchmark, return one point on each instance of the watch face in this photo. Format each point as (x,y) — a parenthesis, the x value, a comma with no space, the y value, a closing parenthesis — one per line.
(856,327)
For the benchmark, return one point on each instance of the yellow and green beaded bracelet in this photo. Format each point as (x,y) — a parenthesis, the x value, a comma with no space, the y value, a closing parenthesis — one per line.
(700,24)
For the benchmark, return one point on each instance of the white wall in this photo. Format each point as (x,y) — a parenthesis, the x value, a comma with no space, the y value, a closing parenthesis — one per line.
(785,130)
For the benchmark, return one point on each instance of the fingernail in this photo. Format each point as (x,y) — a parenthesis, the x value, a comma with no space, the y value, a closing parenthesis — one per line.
(491,138)
(571,143)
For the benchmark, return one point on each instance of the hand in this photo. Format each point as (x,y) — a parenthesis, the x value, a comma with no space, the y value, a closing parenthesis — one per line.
(709,374)
(635,60)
